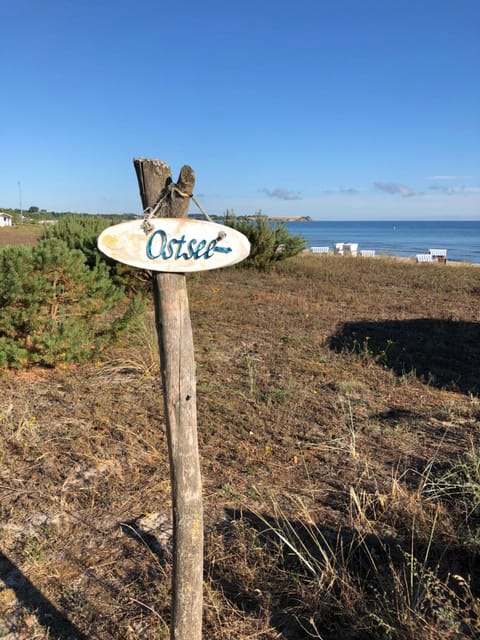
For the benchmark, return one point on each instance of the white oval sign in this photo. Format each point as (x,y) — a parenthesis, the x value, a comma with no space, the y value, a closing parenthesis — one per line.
(177,245)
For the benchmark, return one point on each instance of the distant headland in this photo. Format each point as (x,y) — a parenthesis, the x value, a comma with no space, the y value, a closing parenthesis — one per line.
(284,218)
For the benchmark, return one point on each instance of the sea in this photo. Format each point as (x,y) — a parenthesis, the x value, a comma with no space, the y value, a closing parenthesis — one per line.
(403,238)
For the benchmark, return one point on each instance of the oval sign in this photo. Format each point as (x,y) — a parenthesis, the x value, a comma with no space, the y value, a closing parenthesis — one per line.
(177,245)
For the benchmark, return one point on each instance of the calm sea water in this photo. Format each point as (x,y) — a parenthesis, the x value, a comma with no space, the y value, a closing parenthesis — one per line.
(403,238)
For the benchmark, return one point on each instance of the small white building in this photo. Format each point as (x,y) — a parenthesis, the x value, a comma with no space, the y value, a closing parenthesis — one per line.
(5,219)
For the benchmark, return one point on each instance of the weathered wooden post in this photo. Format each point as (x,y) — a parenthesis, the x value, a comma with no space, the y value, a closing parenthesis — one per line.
(170,245)
(175,342)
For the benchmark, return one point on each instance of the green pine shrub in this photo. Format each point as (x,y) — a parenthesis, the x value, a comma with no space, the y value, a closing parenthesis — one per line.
(268,243)
(81,231)
(55,307)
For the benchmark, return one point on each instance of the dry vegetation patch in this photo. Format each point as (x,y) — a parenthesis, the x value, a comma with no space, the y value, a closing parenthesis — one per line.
(27,235)
(339,427)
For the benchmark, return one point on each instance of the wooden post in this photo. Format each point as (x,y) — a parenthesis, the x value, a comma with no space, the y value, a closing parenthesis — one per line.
(175,341)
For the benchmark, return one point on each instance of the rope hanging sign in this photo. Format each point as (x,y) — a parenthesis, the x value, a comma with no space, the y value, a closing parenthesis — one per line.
(176,245)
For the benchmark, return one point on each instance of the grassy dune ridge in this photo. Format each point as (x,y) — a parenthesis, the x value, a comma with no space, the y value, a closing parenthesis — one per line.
(339,434)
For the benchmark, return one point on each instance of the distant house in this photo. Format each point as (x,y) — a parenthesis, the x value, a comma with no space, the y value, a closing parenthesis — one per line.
(5,220)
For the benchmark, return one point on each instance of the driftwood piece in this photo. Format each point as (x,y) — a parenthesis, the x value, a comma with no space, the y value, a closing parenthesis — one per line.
(179,383)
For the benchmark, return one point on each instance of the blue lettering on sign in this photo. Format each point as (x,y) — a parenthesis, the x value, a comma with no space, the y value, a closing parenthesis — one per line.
(160,246)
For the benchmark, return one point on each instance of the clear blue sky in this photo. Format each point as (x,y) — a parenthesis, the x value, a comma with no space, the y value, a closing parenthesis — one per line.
(338,109)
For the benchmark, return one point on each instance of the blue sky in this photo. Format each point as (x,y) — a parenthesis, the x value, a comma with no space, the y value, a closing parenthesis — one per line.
(338,109)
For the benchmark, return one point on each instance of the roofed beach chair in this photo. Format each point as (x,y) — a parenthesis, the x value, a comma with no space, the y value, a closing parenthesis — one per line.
(424,257)
(320,249)
(367,253)
(338,248)
(438,255)
(350,248)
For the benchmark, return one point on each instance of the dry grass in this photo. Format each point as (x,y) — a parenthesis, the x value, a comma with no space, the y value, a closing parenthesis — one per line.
(339,429)
(26,234)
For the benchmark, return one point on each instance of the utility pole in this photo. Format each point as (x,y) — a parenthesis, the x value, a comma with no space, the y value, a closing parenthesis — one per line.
(20,198)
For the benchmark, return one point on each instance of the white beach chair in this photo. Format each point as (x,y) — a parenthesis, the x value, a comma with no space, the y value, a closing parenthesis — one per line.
(338,248)
(350,249)
(424,257)
(367,253)
(438,255)
(320,249)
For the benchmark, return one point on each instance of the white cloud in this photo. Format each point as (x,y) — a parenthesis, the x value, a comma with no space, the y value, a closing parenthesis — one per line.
(347,191)
(395,188)
(282,194)
(453,191)
(447,177)
(351,191)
